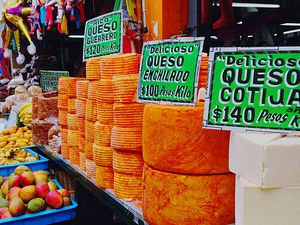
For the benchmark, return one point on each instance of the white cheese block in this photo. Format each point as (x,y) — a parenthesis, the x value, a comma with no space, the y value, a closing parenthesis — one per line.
(274,206)
(267,160)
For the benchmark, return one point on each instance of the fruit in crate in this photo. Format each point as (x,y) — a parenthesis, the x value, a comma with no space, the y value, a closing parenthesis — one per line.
(15,137)
(16,155)
(25,114)
(25,192)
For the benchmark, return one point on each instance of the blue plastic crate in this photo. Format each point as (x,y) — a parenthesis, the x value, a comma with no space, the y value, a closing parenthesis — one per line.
(45,217)
(41,164)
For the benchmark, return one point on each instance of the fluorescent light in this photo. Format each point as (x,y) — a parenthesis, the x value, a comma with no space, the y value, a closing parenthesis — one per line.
(76,36)
(275,34)
(254,5)
(250,36)
(214,37)
(291,31)
(241,22)
(291,24)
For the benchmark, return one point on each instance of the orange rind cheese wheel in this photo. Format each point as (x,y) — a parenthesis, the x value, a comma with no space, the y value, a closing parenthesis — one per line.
(82,161)
(80,106)
(81,126)
(103,156)
(93,69)
(173,199)
(92,90)
(64,150)
(81,144)
(128,162)
(72,86)
(82,89)
(128,186)
(71,105)
(91,110)
(90,168)
(63,117)
(104,177)
(102,134)
(125,88)
(63,85)
(73,136)
(89,131)
(64,135)
(174,141)
(74,155)
(128,115)
(105,113)
(105,93)
(62,101)
(72,121)
(126,138)
(89,149)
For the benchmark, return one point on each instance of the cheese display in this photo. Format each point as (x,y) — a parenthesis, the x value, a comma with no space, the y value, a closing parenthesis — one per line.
(128,162)
(71,88)
(73,138)
(102,134)
(173,199)
(105,113)
(103,156)
(128,115)
(93,69)
(126,138)
(80,106)
(174,141)
(89,147)
(74,155)
(105,92)
(72,121)
(82,161)
(62,101)
(258,158)
(89,131)
(63,117)
(104,176)
(91,110)
(90,168)
(125,88)
(63,85)
(65,151)
(272,206)
(71,105)
(82,89)
(92,90)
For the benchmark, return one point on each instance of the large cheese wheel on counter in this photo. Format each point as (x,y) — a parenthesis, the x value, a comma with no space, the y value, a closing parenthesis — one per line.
(62,101)
(90,168)
(89,149)
(174,141)
(82,161)
(93,69)
(128,186)
(71,105)
(105,113)
(105,93)
(92,90)
(63,118)
(126,138)
(74,155)
(80,106)
(104,177)
(128,162)
(63,85)
(73,138)
(102,134)
(103,156)
(71,90)
(128,115)
(89,131)
(72,121)
(91,110)
(81,126)
(173,199)
(82,89)
(125,88)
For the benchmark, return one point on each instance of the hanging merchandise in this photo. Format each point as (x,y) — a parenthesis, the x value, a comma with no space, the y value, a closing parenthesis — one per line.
(12,16)
(34,21)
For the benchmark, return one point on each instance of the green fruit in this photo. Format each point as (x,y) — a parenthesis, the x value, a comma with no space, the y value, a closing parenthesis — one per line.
(36,205)
(3,203)
(16,207)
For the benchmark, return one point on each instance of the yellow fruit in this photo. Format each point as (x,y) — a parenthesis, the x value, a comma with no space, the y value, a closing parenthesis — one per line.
(26,128)
(12,139)
(27,136)
(2,144)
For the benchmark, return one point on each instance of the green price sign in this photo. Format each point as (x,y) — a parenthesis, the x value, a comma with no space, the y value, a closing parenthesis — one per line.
(49,79)
(254,89)
(103,35)
(169,71)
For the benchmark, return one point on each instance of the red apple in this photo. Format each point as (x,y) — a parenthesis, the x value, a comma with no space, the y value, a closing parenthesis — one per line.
(42,189)
(54,199)
(27,178)
(64,192)
(13,192)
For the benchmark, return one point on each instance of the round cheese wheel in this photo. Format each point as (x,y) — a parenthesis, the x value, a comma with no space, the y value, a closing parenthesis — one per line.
(82,89)
(63,117)
(103,156)
(174,141)
(173,199)
(91,110)
(63,84)
(74,155)
(81,144)
(105,113)
(81,126)
(64,150)
(71,105)
(102,134)
(72,121)
(128,162)
(126,138)
(89,148)
(128,115)
(90,168)
(64,135)
(93,69)
(125,88)
(128,186)
(104,177)
(62,101)
(105,93)
(82,161)
(89,131)
(73,136)
(72,86)
(92,90)
(80,106)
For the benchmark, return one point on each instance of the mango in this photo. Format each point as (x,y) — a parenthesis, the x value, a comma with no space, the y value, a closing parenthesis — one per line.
(16,207)
(36,205)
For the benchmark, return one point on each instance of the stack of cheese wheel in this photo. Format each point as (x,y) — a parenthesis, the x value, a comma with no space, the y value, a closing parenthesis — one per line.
(126,137)
(72,121)
(80,105)
(93,69)
(62,104)
(186,177)
(90,119)
(203,72)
